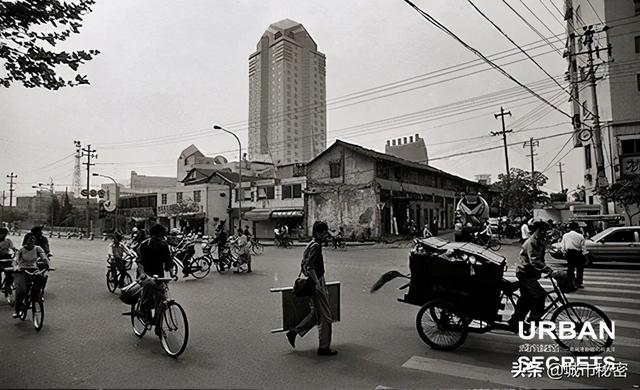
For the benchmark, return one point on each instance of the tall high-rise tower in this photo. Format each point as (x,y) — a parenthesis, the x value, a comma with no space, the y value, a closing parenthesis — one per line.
(287,98)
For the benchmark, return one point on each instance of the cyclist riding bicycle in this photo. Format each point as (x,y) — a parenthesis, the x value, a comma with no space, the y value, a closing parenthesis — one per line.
(7,250)
(27,258)
(531,265)
(484,235)
(116,253)
(155,259)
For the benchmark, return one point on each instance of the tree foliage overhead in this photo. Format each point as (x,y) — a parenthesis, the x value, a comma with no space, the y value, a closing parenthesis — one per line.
(626,192)
(519,193)
(29,32)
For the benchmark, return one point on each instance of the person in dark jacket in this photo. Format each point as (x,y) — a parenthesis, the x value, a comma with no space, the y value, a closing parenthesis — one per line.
(320,314)
(531,265)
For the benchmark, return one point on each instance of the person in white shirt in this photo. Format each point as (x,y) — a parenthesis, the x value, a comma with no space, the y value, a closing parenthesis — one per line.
(524,231)
(574,248)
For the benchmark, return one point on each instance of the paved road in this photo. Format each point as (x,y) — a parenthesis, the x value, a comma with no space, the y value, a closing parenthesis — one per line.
(87,343)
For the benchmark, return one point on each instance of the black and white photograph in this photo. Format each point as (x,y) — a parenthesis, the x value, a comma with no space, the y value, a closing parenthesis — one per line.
(287,194)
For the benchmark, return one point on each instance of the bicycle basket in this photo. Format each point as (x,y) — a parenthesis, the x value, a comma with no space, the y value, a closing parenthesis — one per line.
(131,293)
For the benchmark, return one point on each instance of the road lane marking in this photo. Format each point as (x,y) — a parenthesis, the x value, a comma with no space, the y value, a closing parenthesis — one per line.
(603,298)
(608,290)
(619,310)
(486,374)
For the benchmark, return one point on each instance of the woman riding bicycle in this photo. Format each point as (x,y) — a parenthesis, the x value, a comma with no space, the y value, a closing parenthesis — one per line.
(27,258)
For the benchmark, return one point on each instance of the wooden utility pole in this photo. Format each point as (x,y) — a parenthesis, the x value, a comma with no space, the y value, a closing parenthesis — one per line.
(10,182)
(88,153)
(503,133)
(532,143)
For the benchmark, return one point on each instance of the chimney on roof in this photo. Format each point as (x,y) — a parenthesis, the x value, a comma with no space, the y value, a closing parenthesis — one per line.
(417,137)
(388,142)
(404,140)
(410,139)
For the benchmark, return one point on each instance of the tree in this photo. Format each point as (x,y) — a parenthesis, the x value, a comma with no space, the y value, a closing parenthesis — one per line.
(29,30)
(625,192)
(519,193)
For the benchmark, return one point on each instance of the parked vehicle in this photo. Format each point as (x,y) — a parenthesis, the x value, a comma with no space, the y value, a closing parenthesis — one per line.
(612,244)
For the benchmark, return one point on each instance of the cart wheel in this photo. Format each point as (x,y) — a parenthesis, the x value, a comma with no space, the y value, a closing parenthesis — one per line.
(494,245)
(580,314)
(440,327)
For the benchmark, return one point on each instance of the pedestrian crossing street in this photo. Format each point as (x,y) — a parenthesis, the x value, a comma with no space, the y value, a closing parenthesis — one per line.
(615,291)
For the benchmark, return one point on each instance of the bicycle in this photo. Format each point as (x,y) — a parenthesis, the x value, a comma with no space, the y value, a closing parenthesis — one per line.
(114,275)
(33,299)
(256,247)
(283,242)
(168,317)
(487,241)
(443,323)
(8,288)
(224,261)
(198,267)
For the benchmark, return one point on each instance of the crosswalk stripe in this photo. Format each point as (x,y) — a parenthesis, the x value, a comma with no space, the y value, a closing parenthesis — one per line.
(601,283)
(619,310)
(603,298)
(627,324)
(587,277)
(626,341)
(485,374)
(611,290)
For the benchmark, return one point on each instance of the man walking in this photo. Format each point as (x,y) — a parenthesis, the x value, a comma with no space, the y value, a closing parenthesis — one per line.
(320,314)
(574,248)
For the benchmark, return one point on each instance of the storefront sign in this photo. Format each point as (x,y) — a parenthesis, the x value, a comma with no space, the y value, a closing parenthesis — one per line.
(138,212)
(631,165)
(177,209)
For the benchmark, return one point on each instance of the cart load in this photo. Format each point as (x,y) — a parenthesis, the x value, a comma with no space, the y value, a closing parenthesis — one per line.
(466,275)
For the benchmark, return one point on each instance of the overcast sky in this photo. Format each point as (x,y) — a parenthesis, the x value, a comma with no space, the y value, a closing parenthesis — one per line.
(169,70)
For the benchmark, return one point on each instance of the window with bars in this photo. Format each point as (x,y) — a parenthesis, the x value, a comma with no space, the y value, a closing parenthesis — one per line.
(163,199)
(292,191)
(197,196)
(179,196)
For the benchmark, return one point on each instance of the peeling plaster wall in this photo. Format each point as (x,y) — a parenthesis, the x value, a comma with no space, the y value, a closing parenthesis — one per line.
(355,209)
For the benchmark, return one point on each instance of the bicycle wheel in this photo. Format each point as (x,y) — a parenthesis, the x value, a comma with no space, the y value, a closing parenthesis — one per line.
(440,327)
(580,314)
(257,248)
(25,308)
(494,245)
(173,271)
(174,332)
(127,279)
(112,280)
(10,294)
(37,313)
(200,267)
(138,322)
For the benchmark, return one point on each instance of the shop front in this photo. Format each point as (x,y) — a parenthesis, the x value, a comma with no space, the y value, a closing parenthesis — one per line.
(265,220)
(188,217)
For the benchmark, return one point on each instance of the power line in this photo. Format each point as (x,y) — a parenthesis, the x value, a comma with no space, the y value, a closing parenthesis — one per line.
(595,12)
(532,27)
(552,14)
(497,67)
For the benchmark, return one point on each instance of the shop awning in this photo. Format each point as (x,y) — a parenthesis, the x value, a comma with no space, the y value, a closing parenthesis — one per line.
(287,214)
(258,214)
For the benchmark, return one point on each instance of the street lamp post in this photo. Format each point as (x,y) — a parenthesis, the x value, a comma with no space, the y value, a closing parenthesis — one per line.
(240,195)
(117,195)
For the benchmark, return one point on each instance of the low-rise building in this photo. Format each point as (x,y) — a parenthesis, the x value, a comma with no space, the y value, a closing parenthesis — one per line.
(372,194)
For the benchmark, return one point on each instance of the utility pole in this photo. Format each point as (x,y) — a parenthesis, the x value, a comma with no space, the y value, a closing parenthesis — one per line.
(532,143)
(596,131)
(601,181)
(2,208)
(88,153)
(560,171)
(504,137)
(10,182)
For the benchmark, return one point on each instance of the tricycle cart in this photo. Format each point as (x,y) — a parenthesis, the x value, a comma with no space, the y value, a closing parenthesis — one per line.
(460,289)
